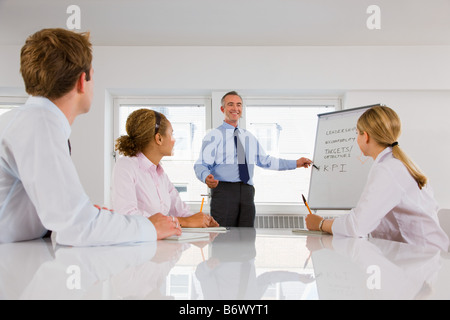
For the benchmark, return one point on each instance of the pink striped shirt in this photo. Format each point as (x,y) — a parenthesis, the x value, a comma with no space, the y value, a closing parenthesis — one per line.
(139,187)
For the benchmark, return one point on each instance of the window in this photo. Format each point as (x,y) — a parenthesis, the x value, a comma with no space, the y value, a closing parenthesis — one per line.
(8,103)
(286,129)
(188,118)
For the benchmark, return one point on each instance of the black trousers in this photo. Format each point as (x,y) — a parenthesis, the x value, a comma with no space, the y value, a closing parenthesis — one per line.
(233,204)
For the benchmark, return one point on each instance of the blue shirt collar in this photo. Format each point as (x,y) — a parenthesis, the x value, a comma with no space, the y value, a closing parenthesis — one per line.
(230,127)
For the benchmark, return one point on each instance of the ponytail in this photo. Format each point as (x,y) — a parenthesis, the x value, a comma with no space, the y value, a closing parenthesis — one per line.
(415,172)
(384,126)
(126,146)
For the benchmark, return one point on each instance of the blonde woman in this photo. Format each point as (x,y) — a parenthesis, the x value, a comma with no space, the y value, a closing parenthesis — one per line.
(396,203)
(139,184)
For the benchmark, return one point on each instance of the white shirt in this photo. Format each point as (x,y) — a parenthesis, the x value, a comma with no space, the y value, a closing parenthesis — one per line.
(393,207)
(139,187)
(40,189)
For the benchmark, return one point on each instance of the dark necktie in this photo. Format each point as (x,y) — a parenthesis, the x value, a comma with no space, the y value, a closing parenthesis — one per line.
(242,161)
(70,147)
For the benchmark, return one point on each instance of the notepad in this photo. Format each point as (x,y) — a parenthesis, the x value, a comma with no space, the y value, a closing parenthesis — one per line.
(206,230)
(308,232)
(189,237)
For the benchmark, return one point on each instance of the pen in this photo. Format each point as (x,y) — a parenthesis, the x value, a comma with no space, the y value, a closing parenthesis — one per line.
(201,207)
(315,166)
(306,204)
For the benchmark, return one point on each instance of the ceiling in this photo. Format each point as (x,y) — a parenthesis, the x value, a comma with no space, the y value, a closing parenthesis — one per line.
(234,22)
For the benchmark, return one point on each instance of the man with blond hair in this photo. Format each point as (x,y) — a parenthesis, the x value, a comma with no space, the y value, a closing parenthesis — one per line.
(39,186)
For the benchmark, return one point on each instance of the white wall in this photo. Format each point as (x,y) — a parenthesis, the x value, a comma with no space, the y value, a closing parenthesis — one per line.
(417,79)
(425,117)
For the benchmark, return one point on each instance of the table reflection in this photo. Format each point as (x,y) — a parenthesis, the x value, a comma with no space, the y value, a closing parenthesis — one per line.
(241,264)
(230,272)
(350,268)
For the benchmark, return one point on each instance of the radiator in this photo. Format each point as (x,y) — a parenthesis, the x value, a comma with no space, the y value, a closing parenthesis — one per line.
(279,221)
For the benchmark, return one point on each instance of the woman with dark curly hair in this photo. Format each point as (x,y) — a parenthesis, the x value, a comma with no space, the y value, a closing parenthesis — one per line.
(139,184)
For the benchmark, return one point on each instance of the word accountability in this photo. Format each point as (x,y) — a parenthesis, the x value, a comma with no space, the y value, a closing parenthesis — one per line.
(235,309)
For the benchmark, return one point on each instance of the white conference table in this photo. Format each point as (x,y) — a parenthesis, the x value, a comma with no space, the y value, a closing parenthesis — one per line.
(242,264)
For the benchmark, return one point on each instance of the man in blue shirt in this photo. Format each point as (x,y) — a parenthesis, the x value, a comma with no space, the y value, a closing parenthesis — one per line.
(226,164)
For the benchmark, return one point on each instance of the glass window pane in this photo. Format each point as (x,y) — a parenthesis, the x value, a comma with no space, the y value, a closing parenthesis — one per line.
(189,126)
(286,132)
(5,108)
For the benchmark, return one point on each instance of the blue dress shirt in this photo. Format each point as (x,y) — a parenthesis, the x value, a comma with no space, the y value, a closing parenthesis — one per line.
(219,158)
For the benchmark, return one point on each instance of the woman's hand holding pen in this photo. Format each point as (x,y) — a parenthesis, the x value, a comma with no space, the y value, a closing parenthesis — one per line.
(198,220)
(313,222)
(303,163)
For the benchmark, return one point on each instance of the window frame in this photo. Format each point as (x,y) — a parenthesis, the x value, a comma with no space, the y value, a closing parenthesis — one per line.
(213,113)
(160,101)
(273,101)
(10,100)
